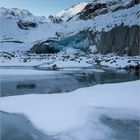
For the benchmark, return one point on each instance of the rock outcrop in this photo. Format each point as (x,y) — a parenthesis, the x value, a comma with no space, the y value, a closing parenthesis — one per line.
(26,25)
(55,19)
(136,1)
(97,8)
(91,11)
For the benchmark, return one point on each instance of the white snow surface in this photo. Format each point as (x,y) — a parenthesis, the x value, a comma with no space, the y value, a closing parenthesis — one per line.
(69,112)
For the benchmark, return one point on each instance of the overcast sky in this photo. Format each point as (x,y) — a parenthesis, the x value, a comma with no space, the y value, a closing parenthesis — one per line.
(40,7)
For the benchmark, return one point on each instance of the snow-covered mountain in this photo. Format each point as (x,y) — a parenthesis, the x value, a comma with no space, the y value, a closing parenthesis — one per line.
(98,7)
(15,13)
(74,10)
(106,26)
(20,14)
(96,21)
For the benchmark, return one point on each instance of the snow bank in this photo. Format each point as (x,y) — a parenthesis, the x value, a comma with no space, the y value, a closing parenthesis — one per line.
(59,113)
(63,64)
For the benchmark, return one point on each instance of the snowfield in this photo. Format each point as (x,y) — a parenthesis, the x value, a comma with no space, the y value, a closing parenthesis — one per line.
(65,115)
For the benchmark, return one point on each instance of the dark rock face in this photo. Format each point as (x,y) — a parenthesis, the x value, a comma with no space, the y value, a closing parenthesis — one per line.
(95,8)
(120,40)
(91,10)
(55,19)
(26,25)
(136,1)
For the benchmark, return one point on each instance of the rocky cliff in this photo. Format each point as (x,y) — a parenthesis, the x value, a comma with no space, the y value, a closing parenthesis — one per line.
(120,40)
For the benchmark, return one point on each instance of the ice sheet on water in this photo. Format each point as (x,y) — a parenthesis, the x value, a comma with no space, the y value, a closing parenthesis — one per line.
(105,124)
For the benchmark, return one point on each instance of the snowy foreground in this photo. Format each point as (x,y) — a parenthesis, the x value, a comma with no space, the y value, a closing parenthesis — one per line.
(77,114)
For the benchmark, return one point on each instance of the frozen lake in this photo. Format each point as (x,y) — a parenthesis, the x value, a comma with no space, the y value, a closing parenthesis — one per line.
(18,127)
(65,80)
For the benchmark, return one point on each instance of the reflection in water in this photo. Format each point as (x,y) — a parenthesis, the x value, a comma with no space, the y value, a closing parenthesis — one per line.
(26,85)
(65,81)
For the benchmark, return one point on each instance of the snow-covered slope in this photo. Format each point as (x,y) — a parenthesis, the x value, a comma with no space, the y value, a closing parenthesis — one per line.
(104,22)
(13,38)
(69,13)
(20,29)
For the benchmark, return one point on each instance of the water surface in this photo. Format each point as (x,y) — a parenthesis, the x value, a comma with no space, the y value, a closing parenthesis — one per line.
(65,80)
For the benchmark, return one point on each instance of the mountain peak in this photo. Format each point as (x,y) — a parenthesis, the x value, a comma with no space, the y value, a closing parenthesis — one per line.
(68,13)
(14,13)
